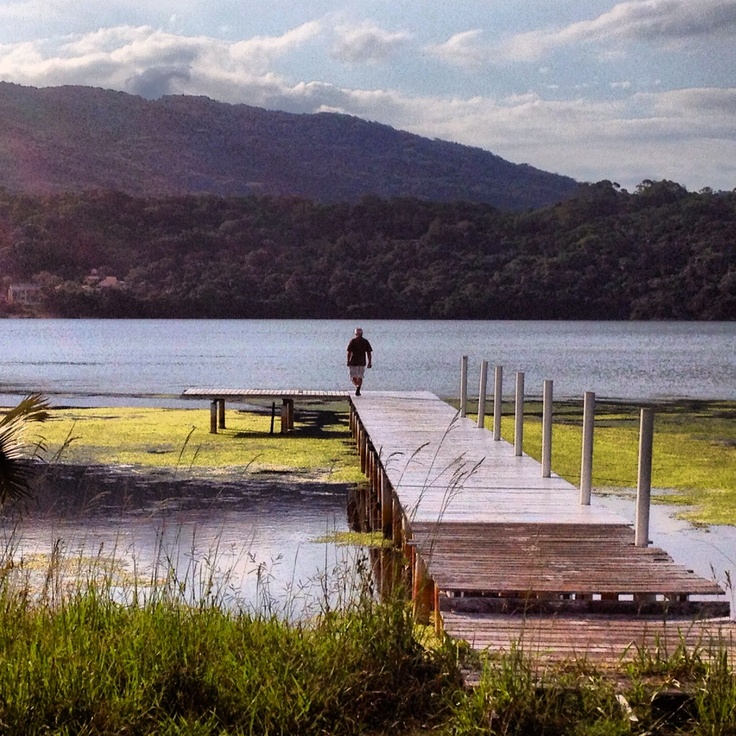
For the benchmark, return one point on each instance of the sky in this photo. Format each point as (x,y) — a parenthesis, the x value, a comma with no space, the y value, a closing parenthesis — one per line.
(593,89)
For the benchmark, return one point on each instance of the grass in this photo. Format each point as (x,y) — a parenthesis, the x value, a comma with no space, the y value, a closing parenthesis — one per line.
(694,446)
(85,664)
(694,451)
(76,660)
(115,655)
(180,440)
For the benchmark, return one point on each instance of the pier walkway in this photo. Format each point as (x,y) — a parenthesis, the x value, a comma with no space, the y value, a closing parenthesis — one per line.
(501,556)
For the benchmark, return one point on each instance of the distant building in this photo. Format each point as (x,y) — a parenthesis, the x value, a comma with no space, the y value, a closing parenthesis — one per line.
(28,294)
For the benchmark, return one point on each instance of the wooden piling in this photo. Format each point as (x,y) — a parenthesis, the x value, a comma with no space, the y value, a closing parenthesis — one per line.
(644,478)
(213,416)
(497,402)
(464,386)
(547,429)
(586,468)
(482,394)
(519,415)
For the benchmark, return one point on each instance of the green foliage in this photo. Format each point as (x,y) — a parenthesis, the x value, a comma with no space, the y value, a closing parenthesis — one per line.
(179,440)
(659,253)
(14,470)
(86,664)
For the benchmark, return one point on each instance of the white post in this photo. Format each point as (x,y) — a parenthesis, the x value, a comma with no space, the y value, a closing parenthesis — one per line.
(482,394)
(519,415)
(644,478)
(547,430)
(464,386)
(586,468)
(497,402)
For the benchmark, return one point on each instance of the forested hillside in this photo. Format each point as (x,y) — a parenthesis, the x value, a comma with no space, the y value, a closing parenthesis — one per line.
(73,139)
(657,253)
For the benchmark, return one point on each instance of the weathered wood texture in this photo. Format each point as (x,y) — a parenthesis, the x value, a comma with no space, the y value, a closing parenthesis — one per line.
(244,394)
(566,559)
(600,640)
(491,531)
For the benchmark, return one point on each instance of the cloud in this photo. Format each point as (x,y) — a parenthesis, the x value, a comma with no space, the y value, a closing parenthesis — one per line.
(150,62)
(670,23)
(686,135)
(466,49)
(367,44)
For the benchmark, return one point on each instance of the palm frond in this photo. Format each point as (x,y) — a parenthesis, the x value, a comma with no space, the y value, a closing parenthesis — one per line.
(34,408)
(15,470)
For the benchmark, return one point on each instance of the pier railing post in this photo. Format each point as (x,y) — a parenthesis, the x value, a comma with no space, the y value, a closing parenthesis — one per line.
(547,430)
(586,465)
(497,401)
(644,478)
(519,415)
(482,394)
(464,386)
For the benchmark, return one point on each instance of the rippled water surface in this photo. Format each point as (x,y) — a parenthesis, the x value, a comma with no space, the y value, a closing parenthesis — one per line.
(259,538)
(97,360)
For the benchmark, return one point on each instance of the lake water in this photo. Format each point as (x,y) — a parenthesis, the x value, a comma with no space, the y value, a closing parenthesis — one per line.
(148,361)
(262,540)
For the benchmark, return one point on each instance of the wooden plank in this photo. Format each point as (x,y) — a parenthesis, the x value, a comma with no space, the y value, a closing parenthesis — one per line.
(486,521)
(602,640)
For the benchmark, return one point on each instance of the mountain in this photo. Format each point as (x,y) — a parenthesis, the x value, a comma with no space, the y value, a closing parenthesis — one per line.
(60,139)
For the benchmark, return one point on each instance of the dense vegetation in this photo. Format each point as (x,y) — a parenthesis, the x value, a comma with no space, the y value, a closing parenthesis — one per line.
(89,655)
(660,252)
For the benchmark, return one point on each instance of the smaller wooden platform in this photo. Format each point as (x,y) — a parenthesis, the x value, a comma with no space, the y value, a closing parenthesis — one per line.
(218,396)
(603,641)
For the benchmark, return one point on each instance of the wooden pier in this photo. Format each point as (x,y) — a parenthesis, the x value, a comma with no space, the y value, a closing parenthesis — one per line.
(499,555)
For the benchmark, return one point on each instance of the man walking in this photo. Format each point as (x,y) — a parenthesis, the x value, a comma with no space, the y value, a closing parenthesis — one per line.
(359,358)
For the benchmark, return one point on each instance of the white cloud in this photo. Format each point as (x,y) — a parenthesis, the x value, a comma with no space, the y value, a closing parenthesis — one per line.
(687,135)
(467,49)
(664,22)
(367,43)
(151,62)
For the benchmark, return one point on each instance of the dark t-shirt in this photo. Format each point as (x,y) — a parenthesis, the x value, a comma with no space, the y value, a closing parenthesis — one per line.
(358,347)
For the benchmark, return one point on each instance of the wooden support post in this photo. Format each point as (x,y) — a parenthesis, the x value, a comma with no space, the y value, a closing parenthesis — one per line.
(482,394)
(519,415)
(284,416)
(290,414)
(547,430)
(497,402)
(644,478)
(438,623)
(422,591)
(273,415)
(464,386)
(398,522)
(387,507)
(221,414)
(586,465)
(213,416)
(363,450)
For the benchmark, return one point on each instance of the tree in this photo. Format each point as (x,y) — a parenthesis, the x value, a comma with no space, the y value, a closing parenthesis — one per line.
(15,471)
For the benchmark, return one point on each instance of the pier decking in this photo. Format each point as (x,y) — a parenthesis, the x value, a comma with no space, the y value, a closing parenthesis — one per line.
(502,555)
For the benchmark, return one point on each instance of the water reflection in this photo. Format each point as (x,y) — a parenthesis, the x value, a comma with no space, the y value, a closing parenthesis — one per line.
(257,543)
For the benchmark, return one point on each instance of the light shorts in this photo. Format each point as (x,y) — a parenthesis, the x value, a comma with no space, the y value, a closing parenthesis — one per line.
(357,371)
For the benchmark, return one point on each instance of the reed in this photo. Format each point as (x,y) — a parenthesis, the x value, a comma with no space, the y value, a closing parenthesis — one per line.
(80,661)
(84,650)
